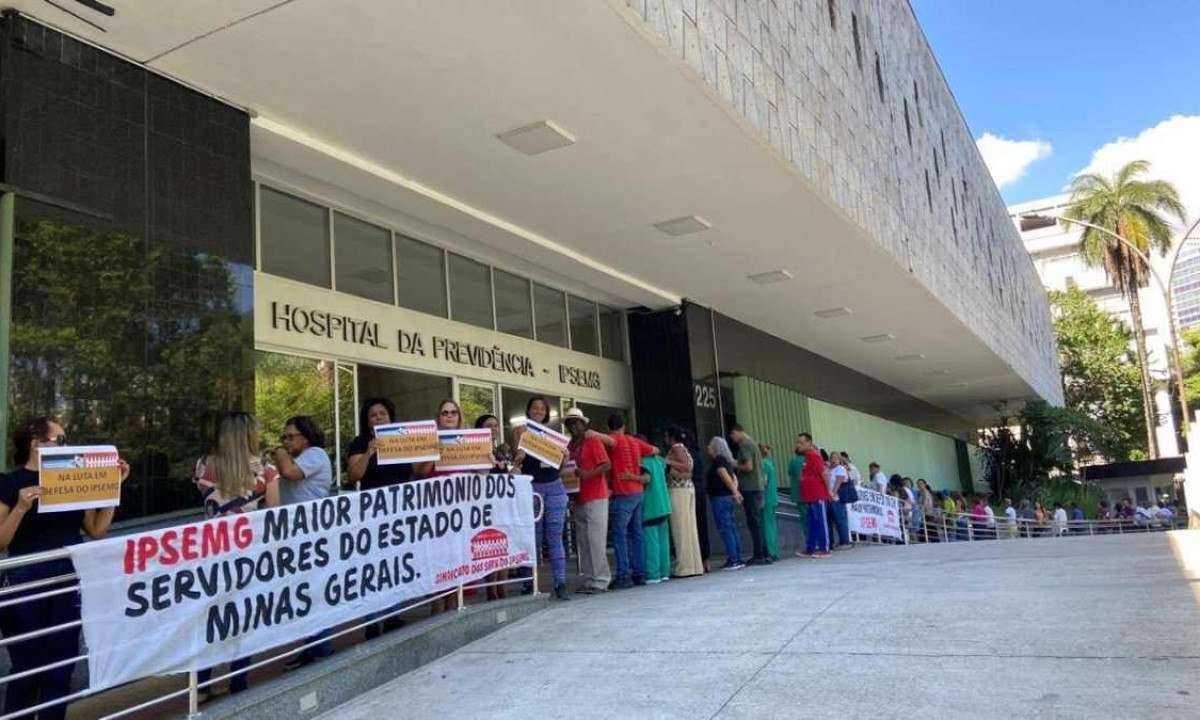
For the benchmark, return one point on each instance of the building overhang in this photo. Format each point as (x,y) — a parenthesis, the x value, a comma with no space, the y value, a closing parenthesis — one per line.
(400,104)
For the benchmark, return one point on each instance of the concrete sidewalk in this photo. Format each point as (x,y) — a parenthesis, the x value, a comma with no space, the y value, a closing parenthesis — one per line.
(1050,628)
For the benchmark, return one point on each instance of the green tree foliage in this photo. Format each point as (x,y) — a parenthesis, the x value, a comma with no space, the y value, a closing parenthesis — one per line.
(1139,211)
(1022,454)
(1191,366)
(126,343)
(286,386)
(1100,379)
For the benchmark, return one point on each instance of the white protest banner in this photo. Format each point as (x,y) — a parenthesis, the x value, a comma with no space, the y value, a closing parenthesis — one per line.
(189,597)
(463,450)
(875,514)
(544,444)
(406,442)
(78,477)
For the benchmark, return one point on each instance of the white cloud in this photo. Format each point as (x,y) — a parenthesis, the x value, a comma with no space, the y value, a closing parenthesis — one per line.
(1007,160)
(1172,148)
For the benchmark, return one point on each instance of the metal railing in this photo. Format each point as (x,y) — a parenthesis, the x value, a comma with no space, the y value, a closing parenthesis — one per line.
(194,687)
(966,527)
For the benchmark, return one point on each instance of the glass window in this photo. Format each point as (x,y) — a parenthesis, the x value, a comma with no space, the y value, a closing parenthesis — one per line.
(583,325)
(470,292)
(422,275)
(416,395)
(550,314)
(295,237)
(515,401)
(286,386)
(612,333)
(476,401)
(514,308)
(598,417)
(363,258)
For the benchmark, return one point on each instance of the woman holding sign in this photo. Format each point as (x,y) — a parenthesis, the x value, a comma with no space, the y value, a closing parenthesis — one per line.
(233,479)
(25,530)
(449,417)
(362,464)
(548,484)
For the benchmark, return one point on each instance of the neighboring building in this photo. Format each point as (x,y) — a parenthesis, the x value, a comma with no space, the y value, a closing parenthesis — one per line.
(1055,252)
(1185,284)
(697,216)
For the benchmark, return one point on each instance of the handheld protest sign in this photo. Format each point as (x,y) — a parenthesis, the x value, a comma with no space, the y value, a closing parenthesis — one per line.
(464,450)
(407,442)
(570,478)
(544,444)
(79,477)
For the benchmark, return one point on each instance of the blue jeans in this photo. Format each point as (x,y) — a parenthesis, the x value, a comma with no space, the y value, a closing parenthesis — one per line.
(550,527)
(841,522)
(325,648)
(722,506)
(237,683)
(625,524)
(816,537)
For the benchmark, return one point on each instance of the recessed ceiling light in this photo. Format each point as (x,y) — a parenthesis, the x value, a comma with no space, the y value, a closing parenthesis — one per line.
(833,312)
(766,278)
(536,138)
(910,357)
(685,225)
(885,337)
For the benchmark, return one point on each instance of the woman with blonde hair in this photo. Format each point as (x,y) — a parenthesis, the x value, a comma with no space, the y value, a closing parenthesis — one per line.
(232,478)
(838,475)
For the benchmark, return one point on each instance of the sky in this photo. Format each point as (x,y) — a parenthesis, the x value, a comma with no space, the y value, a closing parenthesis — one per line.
(1056,87)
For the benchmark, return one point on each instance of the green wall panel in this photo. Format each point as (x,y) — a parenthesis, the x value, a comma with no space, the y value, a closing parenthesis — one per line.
(774,415)
(897,448)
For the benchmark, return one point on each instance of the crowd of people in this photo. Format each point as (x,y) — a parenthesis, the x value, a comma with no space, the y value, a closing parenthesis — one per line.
(649,501)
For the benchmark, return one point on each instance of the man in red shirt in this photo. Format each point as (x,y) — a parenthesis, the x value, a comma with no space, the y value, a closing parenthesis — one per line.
(625,509)
(814,493)
(591,503)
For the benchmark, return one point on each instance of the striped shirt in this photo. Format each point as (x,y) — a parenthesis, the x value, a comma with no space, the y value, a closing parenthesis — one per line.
(216,505)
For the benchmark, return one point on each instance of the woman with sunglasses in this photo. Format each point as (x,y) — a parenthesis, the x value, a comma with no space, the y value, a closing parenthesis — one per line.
(24,530)
(449,417)
(305,474)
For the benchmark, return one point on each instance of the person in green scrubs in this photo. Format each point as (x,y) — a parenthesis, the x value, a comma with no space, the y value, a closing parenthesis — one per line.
(656,511)
(770,504)
(795,466)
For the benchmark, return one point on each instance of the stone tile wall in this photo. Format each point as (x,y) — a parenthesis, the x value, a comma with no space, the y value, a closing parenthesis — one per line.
(850,93)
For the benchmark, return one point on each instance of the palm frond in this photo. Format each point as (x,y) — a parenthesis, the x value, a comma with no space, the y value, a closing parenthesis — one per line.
(1129,171)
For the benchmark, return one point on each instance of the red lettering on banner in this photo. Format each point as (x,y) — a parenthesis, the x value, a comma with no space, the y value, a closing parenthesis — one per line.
(193,542)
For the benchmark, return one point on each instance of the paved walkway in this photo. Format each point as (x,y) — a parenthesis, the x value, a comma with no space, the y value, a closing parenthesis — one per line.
(1044,628)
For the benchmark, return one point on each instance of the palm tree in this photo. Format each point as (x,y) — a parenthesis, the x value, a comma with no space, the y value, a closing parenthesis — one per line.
(1139,211)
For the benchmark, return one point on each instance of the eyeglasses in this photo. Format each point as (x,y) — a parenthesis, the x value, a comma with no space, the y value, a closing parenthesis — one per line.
(448,412)
(58,440)
(289,436)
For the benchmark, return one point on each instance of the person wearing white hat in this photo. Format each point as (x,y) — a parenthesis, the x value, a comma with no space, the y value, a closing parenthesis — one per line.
(591,504)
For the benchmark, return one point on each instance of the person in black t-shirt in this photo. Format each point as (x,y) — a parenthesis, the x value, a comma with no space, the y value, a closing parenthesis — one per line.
(364,471)
(362,466)
(24,530)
